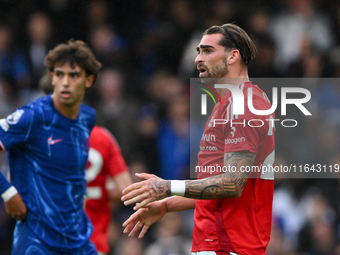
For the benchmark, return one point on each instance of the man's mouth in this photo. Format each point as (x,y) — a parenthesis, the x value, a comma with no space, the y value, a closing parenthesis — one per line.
(65,94)
(202,70)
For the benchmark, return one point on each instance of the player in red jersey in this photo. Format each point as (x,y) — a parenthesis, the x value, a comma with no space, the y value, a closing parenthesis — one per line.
(105,162)
(233,207)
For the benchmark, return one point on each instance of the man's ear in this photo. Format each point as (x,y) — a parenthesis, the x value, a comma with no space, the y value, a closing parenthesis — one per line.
(233,56)
(89,81)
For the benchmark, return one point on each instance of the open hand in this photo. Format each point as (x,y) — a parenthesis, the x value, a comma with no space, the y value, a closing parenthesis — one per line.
(152,189)
(144,218)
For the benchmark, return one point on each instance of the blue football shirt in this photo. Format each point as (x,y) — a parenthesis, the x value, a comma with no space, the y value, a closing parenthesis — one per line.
(47,156)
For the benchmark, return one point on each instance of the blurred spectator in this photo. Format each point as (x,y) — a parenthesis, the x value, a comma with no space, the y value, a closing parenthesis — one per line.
(67,17)
(147,127)
(319,236)
(13,64)
(6,102)
(108,45)
(276,245)
(146,50)
(263,66)
(129,246)
(258,22)
(301,21)
(98,13)
(116,111)
(328,102)
(39,31)
(177,31)
(173,141)
(162,88)
(169,240)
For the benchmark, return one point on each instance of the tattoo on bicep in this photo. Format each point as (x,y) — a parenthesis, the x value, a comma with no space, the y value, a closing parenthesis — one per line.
(245,158)
(237,160)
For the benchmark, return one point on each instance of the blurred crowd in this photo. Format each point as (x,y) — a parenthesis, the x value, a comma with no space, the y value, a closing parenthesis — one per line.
(147,49)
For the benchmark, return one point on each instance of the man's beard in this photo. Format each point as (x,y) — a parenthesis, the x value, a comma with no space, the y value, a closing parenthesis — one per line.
(216,72)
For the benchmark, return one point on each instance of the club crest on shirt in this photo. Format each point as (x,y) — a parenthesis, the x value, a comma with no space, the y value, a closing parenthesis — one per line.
(15,117)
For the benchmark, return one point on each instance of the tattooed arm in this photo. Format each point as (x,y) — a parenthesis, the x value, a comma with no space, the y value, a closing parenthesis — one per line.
(229,184)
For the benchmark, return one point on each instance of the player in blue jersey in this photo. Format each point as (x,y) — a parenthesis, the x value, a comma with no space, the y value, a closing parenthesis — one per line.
(48,142)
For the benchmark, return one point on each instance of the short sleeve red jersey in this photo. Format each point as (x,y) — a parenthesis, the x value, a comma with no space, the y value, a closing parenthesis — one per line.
(105,160)
(241,225)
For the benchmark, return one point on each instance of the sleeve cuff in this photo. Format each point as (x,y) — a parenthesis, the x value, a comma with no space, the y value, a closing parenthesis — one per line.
(9,193)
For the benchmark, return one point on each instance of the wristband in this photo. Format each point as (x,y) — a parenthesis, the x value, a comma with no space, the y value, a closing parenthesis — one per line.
(9,193)
(178,188)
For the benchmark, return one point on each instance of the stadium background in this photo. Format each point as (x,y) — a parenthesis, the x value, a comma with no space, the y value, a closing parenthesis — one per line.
(147,49)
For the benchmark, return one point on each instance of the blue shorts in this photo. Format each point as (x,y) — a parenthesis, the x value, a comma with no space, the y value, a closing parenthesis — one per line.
(25,242)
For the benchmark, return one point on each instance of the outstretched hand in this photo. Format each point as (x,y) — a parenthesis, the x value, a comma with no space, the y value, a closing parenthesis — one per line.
(145,192)
(144,218)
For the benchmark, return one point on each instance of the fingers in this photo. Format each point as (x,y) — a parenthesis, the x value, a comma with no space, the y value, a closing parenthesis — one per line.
(19,217)
(145,176)
(132,187)
(132,218)
(144,203)
(16,208)
(144,230)
(135,197)
(129,227)
(137,227)
(138,185)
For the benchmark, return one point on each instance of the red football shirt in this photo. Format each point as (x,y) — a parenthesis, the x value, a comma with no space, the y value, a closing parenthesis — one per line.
(240,225)
(105,160)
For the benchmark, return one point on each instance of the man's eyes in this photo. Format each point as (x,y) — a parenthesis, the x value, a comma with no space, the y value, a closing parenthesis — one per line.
(72,75)
(205,51)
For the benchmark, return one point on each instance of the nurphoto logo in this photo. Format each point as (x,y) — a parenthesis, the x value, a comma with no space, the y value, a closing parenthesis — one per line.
(237,95)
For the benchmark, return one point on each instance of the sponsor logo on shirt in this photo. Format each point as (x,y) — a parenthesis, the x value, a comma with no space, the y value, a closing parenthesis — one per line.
(208,148)
(208,138)
(15,117)
(4,125)
(51,141)
(235,140)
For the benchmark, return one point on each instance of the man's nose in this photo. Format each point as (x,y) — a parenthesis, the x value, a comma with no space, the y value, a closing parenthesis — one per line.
(65,80)
(199,59)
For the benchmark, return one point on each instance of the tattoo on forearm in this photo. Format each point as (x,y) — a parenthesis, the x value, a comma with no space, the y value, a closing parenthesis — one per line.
(159,189)
(229,184)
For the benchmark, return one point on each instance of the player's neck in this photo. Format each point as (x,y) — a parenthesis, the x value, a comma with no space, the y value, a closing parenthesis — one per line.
(68,111)
(235,76)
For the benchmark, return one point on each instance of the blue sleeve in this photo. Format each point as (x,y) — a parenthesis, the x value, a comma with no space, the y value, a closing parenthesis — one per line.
(4,184)
(15,129)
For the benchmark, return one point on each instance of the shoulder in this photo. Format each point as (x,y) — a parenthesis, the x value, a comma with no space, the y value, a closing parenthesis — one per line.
(42,104)
(87,111)
(88,114)
(259,97)
(26,113)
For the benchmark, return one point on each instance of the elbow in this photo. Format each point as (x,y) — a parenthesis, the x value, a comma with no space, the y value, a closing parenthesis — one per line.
(238,192)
